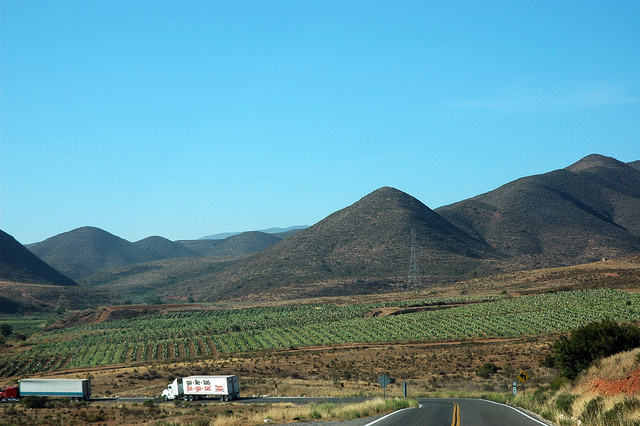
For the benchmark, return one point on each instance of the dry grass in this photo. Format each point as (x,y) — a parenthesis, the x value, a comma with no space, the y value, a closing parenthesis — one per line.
(285,413)
(614,367)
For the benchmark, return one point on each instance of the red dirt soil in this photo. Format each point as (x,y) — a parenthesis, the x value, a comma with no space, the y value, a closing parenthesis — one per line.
(629,385)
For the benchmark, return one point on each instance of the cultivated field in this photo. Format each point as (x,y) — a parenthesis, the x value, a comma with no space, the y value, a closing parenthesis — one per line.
(209,334)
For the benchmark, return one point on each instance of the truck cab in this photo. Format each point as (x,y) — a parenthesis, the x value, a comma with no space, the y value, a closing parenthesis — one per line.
(171,392)
(12,393)
(199,387)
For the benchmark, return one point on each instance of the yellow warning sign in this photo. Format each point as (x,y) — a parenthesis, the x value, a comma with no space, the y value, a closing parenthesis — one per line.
(523,377)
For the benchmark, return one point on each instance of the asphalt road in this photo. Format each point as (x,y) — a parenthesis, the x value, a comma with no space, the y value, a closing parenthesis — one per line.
(431,412)
(458,412)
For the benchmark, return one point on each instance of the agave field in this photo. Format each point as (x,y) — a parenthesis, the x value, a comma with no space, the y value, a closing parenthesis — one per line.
(214,333)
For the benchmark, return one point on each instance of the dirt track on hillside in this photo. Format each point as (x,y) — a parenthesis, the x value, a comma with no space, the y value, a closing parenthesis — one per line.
(113,313)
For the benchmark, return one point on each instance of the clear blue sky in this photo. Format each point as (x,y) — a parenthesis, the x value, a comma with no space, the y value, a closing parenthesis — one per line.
(188,118)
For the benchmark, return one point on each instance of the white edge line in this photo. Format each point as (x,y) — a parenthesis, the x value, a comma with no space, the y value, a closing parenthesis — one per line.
(390,414)
(515,409)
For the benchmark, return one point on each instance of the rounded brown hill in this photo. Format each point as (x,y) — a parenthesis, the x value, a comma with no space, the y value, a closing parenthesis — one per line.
(86,250)
(18,264)
(362,248)
(583,213)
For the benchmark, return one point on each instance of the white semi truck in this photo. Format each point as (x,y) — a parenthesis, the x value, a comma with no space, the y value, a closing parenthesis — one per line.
(198,387)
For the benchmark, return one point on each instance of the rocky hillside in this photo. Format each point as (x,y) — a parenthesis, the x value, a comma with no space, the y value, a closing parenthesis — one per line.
(585,212)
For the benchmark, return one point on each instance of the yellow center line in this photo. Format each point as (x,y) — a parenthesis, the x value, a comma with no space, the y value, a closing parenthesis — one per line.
(456,415)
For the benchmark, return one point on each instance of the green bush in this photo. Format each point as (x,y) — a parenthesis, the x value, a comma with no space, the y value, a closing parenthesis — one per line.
(549,361)
(6,329)
(487,370)
(398,404)
(565,402)
(631,404)
(614,415)
(592,410)
(593,341)
(33,401)
(557,383)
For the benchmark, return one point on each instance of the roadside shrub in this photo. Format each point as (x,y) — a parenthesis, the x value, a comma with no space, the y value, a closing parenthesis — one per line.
(487,370)
(549,361)
(591,342)
(565,402)
(100,416)
(397,403)
(541,395)
(592,410)
(557,383)
(11,411)
(33,401)
(614,415)
(58,403)
(631,404)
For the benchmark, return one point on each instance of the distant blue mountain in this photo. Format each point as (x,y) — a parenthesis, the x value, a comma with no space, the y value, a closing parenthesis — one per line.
(224,235)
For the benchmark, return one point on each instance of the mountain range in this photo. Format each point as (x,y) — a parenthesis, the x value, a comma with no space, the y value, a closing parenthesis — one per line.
(578,214)
(585,212)
(275,230)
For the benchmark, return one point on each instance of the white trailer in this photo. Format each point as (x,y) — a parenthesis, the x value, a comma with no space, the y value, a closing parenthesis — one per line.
(76,389)
(198,387)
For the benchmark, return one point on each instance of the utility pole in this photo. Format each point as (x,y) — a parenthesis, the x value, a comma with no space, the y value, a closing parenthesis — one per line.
(414,273)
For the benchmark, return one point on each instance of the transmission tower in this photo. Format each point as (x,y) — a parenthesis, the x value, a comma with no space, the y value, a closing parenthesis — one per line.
(414,273)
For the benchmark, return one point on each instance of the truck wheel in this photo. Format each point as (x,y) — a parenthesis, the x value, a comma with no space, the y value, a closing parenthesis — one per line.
(226,398)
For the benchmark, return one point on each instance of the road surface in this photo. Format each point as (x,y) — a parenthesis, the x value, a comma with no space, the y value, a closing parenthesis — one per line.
(458,412)
(431,412)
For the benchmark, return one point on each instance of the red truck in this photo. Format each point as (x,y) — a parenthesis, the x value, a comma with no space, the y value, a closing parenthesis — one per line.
(12,393)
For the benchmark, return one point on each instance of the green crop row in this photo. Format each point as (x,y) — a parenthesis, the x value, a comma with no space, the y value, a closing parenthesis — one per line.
(190,334)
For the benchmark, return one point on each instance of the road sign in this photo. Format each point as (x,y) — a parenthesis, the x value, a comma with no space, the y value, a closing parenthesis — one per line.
(515,388)
(523,377)
(384,380)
